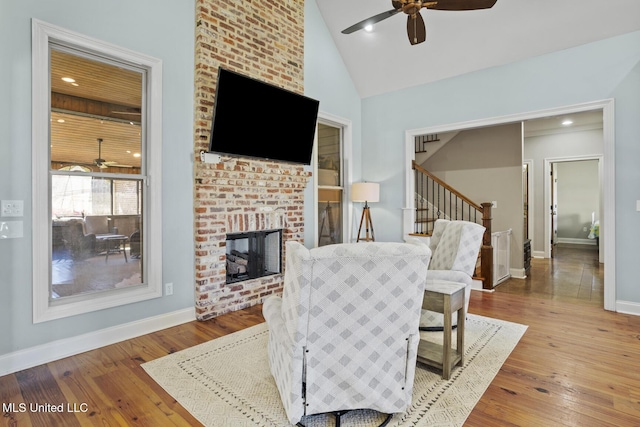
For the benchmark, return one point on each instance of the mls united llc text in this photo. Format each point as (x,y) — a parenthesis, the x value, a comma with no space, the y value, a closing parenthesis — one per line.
(44,407)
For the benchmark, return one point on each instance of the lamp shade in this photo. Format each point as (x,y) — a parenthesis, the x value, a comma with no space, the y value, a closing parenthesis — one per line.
(365,192)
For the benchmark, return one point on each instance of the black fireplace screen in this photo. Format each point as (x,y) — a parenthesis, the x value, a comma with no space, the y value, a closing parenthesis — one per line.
(253,254)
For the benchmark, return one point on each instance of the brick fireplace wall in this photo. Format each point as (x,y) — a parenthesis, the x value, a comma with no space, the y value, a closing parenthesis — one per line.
(263,40)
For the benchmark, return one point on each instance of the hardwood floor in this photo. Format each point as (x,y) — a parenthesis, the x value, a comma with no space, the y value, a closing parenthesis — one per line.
(574,275)
(577,365)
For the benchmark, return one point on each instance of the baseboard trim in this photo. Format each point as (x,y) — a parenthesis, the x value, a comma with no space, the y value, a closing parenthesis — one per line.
(572,241)
(537,254)
(628,307)
(45,353)
(518,273)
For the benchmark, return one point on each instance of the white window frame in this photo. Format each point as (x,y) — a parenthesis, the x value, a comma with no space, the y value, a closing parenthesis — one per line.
(43,309)
(346,179)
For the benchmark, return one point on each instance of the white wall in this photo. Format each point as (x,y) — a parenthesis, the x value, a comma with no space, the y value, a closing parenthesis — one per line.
(592,72)
(486,165)
(140,26)
(578,197)
(561,145)
(327,79)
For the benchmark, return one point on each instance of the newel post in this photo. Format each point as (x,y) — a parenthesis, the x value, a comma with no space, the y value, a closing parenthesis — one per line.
(486,251)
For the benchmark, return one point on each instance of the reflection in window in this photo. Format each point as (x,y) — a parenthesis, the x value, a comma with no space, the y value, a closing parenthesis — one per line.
(330,190)
(96,171)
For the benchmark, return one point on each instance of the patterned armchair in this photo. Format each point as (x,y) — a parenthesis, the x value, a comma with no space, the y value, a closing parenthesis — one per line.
(455,246)
(344,335)
(81,245)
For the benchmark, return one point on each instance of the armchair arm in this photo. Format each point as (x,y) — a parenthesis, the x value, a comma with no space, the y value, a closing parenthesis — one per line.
(295,295)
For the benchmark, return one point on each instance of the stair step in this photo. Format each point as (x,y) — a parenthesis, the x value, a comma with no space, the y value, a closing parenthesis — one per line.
(426,220)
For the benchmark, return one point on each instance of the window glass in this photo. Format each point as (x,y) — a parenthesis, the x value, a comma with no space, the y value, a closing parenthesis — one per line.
(330,190)
(96,166)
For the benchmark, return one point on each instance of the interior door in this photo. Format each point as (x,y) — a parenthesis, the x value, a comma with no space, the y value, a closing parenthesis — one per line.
(554,208)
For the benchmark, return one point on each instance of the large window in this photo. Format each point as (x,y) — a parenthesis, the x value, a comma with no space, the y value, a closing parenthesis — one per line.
(75,196)
(96,158)
(330,171)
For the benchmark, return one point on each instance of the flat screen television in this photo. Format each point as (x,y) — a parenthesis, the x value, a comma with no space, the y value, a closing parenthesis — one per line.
(259,120)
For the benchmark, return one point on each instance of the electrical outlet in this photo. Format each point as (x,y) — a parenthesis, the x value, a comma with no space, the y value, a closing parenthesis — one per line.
(12,208)
(168,289)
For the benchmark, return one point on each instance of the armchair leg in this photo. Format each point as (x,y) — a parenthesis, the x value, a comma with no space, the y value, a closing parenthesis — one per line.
(338,415)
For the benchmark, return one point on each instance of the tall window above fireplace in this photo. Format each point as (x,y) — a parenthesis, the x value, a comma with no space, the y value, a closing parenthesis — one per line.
(253,254)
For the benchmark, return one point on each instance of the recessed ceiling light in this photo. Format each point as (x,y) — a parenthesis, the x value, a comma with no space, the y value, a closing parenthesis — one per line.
(68,79)
(60,120)
(368,28)
(136,154)
(74,84)
(567,122)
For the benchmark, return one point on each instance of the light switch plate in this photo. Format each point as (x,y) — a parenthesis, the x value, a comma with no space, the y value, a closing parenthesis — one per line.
(11,230)
(12,208)
(638,205)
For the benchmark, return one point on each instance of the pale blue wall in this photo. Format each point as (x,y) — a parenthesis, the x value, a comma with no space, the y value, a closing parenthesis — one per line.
(160,28)
(597,71)
(163,29)
(326,78)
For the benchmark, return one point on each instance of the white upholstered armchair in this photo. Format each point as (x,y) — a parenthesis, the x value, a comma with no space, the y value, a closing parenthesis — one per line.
(344,335)
(455,246)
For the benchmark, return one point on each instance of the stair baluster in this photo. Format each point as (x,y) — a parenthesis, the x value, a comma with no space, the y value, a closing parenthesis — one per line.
(431,195)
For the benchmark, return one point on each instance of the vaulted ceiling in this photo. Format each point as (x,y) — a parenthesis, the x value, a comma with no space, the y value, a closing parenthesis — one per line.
(460,42)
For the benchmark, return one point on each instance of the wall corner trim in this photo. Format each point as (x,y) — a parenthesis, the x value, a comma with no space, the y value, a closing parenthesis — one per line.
(55,350)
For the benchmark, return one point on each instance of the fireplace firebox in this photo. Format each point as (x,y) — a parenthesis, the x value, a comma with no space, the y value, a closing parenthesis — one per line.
(253,254)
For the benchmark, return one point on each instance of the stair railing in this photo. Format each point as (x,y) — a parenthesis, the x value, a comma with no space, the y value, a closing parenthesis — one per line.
(435,199)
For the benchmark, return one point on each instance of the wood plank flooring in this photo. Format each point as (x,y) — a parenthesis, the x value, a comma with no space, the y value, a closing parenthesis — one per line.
(577,365)
(573,275)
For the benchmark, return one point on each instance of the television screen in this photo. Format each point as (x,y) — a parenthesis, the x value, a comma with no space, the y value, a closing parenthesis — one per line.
(256,119)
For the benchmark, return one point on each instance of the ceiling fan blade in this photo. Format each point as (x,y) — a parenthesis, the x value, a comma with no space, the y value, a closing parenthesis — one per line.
(462,4)
(370,21)
(416,29)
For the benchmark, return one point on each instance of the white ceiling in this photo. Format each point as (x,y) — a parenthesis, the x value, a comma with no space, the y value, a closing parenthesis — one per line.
(553,125)
(462,42)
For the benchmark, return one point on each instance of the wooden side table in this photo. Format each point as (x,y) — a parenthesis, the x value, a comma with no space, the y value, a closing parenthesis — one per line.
(444,297)
(114,243)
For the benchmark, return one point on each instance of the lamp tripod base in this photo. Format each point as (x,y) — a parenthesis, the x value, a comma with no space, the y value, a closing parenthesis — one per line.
(368,224)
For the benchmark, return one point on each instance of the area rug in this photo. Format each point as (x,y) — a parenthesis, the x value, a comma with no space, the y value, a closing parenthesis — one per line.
(227,382)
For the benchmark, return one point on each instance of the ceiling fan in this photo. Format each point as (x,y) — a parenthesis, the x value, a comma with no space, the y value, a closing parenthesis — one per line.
(100,162)
(416,29)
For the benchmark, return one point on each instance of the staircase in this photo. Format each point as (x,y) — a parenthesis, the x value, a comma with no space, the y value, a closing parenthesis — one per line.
(434,199)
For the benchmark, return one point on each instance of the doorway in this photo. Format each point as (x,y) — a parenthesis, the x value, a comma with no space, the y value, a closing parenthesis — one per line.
(605,108)
(583,208)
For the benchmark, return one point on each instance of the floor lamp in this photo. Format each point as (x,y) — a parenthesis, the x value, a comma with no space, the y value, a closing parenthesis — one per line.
(366,192)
